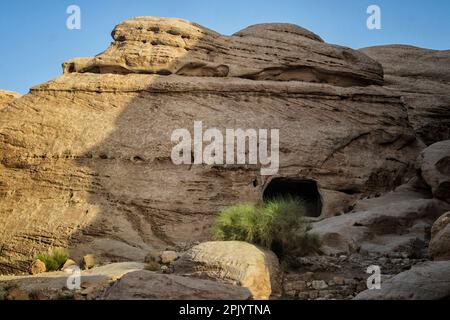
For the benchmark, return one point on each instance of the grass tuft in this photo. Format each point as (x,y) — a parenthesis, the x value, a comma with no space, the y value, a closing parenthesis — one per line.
(54,259)
(278,224)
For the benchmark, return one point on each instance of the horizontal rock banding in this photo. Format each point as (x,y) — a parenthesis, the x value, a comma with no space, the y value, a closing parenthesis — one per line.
(281,52)
(85,158)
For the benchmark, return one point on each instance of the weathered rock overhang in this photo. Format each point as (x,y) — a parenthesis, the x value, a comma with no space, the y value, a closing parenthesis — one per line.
(279,52)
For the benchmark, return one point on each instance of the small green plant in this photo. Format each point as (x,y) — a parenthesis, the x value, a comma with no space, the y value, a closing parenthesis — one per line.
(278,224)
(237,223)
(54,259)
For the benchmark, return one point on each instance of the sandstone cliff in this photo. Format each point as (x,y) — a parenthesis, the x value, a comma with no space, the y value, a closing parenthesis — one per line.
(422,78)
(85,158)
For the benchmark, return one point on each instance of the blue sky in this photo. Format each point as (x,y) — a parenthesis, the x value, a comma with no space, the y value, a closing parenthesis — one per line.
(35,40)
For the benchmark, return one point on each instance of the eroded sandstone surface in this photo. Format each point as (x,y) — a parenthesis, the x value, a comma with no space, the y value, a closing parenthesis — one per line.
(280,52)
(85,158)
(422,78)
(7,96)
(427,281)
(251,267)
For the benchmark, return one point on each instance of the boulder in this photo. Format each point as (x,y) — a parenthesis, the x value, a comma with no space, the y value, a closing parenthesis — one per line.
(69,263)
(167,257)
(427,281)
(37,267)
(439,248)
(145,285)
(251,267)
(88,261)
(434,165)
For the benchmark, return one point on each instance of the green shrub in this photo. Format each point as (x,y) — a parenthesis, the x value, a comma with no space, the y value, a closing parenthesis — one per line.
(237,223)
(279,225)
(54,259)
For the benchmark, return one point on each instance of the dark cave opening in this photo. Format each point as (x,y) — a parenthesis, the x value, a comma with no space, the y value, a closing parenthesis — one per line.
(305,190)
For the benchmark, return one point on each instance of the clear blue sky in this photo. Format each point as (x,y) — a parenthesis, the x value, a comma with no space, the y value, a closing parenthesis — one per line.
(35,40)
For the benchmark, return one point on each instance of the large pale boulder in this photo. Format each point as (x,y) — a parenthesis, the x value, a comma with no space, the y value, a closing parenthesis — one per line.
(86,157)
(427,281)
(434,164)
(422,77)
(237,262)
(146,285)
(439,248)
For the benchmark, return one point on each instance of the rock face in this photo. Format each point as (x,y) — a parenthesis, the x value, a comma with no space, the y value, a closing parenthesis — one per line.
(237,262)
(398,221)
(428,281)
(422,78)
(439,248)
(434,165)
(145,285)
(85,158)
(7,97)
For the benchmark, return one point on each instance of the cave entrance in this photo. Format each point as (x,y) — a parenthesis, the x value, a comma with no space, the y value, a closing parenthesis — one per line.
(305,190)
